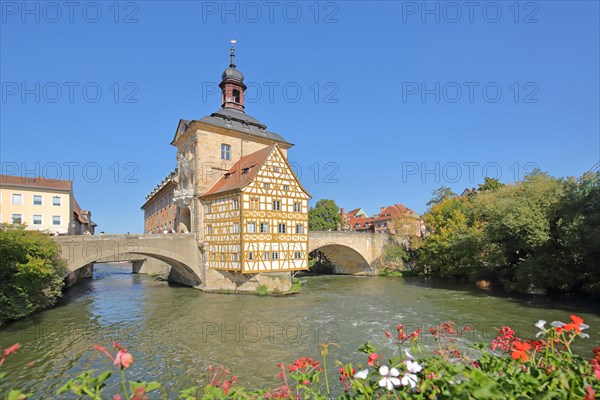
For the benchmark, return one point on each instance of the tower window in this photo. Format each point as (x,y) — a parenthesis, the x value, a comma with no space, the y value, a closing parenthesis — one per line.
(236,95)
(225,151)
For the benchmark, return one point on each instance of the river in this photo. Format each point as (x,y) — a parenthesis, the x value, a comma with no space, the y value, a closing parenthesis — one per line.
(175,332)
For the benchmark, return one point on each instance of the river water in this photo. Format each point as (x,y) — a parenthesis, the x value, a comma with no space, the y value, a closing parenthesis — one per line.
(175,332)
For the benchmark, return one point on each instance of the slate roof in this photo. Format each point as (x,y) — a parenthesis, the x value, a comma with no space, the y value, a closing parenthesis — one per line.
(231,118)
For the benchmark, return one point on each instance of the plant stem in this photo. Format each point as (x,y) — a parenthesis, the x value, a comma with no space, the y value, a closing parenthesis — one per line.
(123,384)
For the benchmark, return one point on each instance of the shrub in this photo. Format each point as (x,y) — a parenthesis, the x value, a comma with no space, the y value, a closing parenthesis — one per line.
(31,272)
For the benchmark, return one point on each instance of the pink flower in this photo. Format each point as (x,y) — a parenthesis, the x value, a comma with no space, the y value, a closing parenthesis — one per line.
(9,350)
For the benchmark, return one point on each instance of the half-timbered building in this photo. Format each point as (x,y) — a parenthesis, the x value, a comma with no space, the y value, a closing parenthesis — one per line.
(256,216)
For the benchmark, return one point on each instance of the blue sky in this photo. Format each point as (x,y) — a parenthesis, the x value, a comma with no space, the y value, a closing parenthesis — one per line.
(385,101)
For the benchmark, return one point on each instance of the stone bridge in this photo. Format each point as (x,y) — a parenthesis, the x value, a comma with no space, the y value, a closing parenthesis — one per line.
(179,257)
(350,252)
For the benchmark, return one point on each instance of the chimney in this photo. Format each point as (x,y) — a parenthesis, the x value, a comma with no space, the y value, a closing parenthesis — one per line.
(343,214)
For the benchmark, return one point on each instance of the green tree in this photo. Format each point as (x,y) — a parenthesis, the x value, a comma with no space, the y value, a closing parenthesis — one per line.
(324,216)
(443,192)
(490,184)
(31,272)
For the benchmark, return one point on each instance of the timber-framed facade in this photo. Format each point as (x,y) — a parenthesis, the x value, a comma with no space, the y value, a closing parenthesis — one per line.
(256,216)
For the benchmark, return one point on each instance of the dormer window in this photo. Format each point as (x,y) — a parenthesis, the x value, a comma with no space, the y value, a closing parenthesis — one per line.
(225,152)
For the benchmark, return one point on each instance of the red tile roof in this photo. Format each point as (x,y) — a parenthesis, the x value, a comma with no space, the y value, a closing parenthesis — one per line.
(242,172)
(36,183)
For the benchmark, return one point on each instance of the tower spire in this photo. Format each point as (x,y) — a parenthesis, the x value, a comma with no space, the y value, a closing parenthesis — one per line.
(232,53)
(232,84)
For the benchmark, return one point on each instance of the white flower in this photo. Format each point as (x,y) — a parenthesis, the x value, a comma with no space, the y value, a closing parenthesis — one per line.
(557,324)
(413,366)
(541,326)
(409,379)
(361,374)
(584,335)
(583,326)
(390,377)
(408,355)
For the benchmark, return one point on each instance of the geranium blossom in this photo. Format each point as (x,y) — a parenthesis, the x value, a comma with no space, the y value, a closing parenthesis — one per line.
(413,366)
(520,351)
(409,379)
(390,377)
(541,326)
(362,374)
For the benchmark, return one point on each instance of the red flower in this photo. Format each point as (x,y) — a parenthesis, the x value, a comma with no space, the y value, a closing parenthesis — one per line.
(372,358)
(590,393)
(537,345)
(596,365)
(520,351)
(575,325)
(387,334)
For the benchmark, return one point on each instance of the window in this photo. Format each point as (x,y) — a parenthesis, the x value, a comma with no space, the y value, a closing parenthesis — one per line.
(250,256)
(254,203)
(225,152)
(251,227)
(299,228)
(17,199)
(222,257)
(56,201)
(56,220)
(209,229)
(17,218)
(281,228)
(266,185)
(267,255)
(275,169)
(234,257)
(236,227)
(236,95)
(37,200)
(37,219)
(208,209)
(297,255)
(297,207)
(276,205)
(236,204)
(264,227)
(286,187)
(275,255)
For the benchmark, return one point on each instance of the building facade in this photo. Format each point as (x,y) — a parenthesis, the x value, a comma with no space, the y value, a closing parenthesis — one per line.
(257,216)
(160,212)
(394,219)
(235,190)
(46,205)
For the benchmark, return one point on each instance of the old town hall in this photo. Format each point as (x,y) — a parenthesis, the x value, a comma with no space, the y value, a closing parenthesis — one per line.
(234,189)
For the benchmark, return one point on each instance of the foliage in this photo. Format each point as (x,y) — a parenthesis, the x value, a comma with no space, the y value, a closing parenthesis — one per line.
(31,272)
(296,285)
(490,184)
(536,235)
(385,271)
(262,290)
(324,216)
(440,194)
(509,367)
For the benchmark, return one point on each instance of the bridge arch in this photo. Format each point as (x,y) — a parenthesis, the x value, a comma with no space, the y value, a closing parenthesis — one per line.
(178,251)
(350,252)
(345,259)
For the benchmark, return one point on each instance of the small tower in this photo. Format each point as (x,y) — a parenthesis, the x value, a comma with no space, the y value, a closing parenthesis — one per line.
(232,85)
